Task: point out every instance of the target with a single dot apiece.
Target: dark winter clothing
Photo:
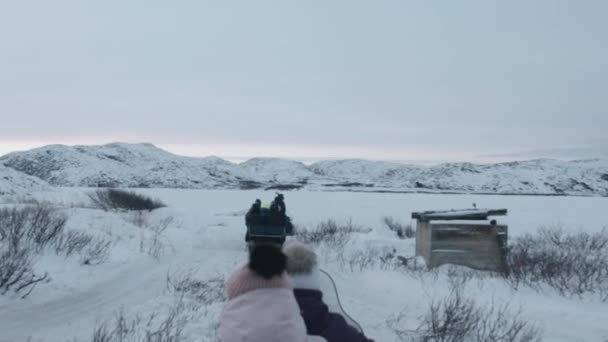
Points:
(270, 225)
(303, 268)
(319, 321)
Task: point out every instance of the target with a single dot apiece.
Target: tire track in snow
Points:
(78, 313)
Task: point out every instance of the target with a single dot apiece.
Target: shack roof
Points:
(462, 214)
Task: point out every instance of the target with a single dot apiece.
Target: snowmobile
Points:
(268, 224)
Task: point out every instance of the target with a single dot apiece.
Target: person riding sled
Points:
(261, 306)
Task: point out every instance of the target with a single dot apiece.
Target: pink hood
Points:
(264, 315)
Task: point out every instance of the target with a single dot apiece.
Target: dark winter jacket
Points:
(319, 321)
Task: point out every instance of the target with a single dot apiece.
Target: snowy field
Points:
(200, 233)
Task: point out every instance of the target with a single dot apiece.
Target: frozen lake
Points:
(307, 208)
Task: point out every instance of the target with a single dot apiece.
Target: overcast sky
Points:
(398, 80)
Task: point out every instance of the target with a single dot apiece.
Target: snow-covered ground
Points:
(204, 236)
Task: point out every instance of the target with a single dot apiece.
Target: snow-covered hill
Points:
(13, 182)
(542, 176)
(146, 166)
(274, 170)
(122, 165)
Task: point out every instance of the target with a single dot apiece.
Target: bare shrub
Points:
(329, 233)
(155, 246)
(363, 259)
(404, 231)
(459, 277)
(163, 224)
(31, 227)
(456, 318)
(24, 232)
(92, 251)
(114, 199)
(451, 319)
(381, 258)
(102, 334)
(96, 252)
(139, 219)
(573, 263)
(396, 323)
(499, 323)
(16, 273)
(46, 224)
(369, 258)
(206, 291)
(576, 241)
(13, 228)
(170, 329)
(137, 329)
(72, 242)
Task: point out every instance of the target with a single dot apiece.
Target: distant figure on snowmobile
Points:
(268, 224)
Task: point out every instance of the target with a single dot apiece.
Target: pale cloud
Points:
(380, 80)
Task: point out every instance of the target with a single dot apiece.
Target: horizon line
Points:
(496, 158)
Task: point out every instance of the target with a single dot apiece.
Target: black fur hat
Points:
(267, 260)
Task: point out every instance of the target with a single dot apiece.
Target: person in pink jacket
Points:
(261, 306)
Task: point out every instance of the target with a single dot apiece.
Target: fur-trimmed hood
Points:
(302, 266)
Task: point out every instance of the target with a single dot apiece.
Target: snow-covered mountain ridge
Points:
(13, 182)
(144, 165)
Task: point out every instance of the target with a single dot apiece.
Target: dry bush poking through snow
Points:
(372, 257)
(72, 242)
(499, 323)
(123, 329)
(573, 263)
(207, 291)
(456, 318)
(154, 246)
(96, 252)
(329, 233)
(31, 227)
(114, 199)
(404, 231)
(25, 232)
(92, 251)
(16, 273)
(451, 319)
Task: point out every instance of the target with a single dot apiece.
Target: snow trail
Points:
(79, 312)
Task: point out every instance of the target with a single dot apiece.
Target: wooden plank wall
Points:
(479, 246)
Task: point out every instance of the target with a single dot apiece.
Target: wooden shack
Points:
(462, 237)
